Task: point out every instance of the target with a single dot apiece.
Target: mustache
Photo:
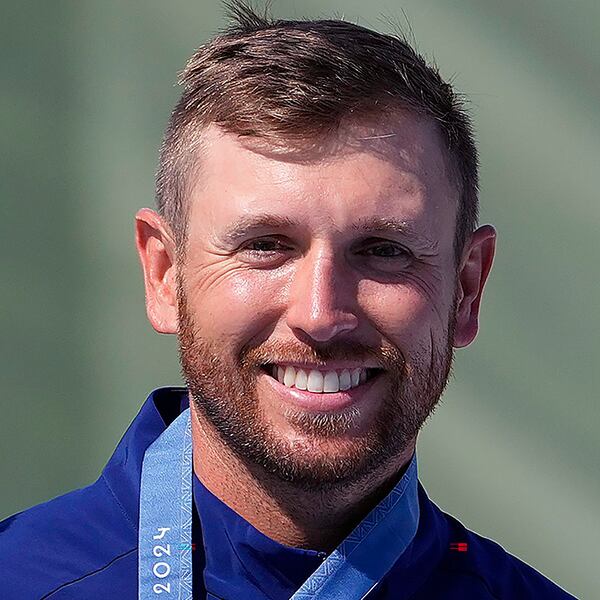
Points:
(388, 357)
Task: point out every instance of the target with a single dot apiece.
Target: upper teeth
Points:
(319, 381)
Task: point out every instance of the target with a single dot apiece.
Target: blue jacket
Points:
(83, 545)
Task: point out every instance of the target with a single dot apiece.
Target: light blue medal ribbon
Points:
(363, 559)
(350, 572)
(165, 534)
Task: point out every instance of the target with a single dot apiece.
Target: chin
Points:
(317, 461)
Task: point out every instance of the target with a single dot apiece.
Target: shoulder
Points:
(69, 547)
(482, 564)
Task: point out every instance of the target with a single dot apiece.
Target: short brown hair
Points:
(277, 80)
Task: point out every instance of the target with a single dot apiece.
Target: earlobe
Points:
(156, 251)
(475, 268)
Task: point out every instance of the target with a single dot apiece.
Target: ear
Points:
(156, 249)
(474, 270)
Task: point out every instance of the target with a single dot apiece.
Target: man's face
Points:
(334, 271)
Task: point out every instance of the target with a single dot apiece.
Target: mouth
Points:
(321, 389)
(320, 381)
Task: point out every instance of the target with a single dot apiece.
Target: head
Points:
(317, 213)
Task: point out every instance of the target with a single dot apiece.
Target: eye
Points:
(387, 250)
(264, 249)
(264, 246)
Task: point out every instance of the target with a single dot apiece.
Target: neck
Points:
(283, 512)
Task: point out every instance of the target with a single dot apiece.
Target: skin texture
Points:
(314, 289)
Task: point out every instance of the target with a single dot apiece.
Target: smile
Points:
(320, 381)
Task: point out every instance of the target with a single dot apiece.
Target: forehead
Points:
(394, 168)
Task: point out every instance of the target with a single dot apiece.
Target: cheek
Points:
(235, 305)
(404, 314)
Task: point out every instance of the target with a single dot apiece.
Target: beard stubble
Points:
(225, 393)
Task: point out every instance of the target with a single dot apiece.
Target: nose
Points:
(321, 298)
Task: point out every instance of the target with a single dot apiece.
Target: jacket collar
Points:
(124, 469)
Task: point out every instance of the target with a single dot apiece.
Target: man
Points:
(316, 251)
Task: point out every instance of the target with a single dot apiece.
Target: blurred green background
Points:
(513, 451)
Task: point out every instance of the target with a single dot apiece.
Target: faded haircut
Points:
(291, 83)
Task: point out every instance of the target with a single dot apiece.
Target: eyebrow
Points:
(250, 224)
(391, 225)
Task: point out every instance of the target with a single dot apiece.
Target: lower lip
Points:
(322, 402)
